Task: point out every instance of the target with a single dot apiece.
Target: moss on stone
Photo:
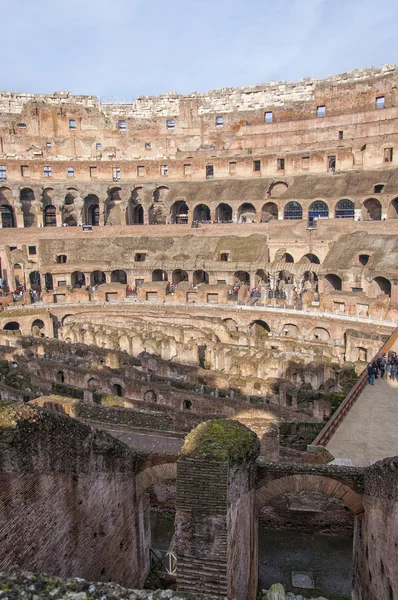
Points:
(111, 400)
(221, 440)
(18, 380)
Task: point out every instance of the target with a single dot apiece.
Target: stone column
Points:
(216, 529)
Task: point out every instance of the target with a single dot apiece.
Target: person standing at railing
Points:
(371, 374)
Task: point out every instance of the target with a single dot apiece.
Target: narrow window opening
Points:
(280, 164)
(380, 102)
(321, 111)
(72, 123)
(331, 164)
(256, 165)
(268, 117)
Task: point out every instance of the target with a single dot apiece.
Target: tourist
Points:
(393, 370)
(371, 374)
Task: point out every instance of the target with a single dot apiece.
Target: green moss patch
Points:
(222, 441)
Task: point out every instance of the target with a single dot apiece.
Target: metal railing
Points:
(163, 562)
(326, 433)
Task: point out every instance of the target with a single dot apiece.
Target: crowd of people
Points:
(383, 366)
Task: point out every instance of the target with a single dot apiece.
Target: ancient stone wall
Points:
(68, 499)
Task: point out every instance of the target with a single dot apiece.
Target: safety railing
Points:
(326, 433)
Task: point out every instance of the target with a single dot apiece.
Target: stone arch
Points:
(112, 209)
(344, 209)
(332, 283)
(64, 319)
(371, 210)
(381, 285)
(159, 275)
(179, 212)
(224, 213)
(7, 216)
(310, 258)
(201, 213)
(12, 326)
(156, 474)
(246, 212)
(309, 483)
(277, 188)
(19, 277)
(50, 216)
(150, 396)
(242, 277)
(321, 334)
(290, 330)
(117, 389)
(161, 193)
(293, 211)
(393, 209)
(91, 210)
(269, 211)
(231, 325)
(35, 280)
(317, 210)
(27, 198)
(78, 279)
(119, 276)
(60, 377)
(93, 384)
(69, 209)
(97, 277)
(37, 327)
(200, 277)
(259, 328)
(261, 277)
(178, 276)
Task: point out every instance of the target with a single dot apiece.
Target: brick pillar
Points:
(216, 528)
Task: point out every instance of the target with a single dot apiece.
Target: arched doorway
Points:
(50, 216)
(35, 281)
(269, 212)
(159, 275)
(242, 277)
(91, 210)
(179, 213)
(345, 209)
(293, 211)
(138, 215)
(287, 258)
(259, 328)
(371, 210)
(223, 213)
(12, 326)
(19, 275)
(48, 282)
(97, 278)
(201, 213)
(317, 210)
(7, 216)
(332, 283)
(381, 285)
(117, 389)
(119, 276)
(311, 258)
(78, 279)
(246, 212)
(200, 277)
(393, 209)
(178, 276)
(37, 327)
(27, 198)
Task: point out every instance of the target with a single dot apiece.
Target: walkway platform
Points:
(369, 432)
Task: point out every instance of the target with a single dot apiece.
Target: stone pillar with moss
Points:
(216, 530)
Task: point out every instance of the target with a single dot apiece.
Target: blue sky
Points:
(120, 49)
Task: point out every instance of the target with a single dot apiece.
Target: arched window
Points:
(97, 278)
(393, 209)
(224, 213)
(371, 210)
(60, 377)
(381, 285)
(117, 389)
(119, 276)
(11, 326)
(242, 276)
(200, 277)
(138, 215)
(179, 212)
(312, 258)
(317, 210)
(78, 279)
(48, 282)
(344, 210)
(332, 283)
(269, 211)
(293, 211)
(246, 212)
(35, 280)
(178, 276)
(159, 275)
(7, 216)
(201, 213)
(50, 216)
